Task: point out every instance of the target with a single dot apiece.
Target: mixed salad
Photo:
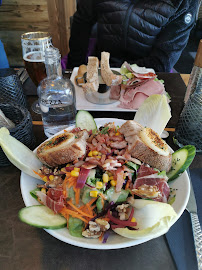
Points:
(106, 189)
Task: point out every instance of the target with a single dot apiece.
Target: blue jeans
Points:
(3, 58)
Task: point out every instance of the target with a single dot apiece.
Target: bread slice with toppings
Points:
(63, 148)
(146, 145)
(107, 75)
(143, 152)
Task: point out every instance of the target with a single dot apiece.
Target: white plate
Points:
(80, 98)
(182, 184)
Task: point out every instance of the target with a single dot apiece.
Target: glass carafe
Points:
(56, 96)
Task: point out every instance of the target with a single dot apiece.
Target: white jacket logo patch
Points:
(187, 18)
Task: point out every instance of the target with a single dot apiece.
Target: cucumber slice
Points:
(85, 120)
(181, 160)
(42, 217)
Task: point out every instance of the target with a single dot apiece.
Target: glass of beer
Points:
(34, 45)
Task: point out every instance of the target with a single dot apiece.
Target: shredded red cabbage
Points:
(106, 236)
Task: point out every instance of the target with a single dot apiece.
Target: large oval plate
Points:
(182, 184)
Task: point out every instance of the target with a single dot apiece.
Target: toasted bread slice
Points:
(130, 127)
(63, 148)
(107, 75)
(141, 151)
(146, 145)
(92, 84)
(79, 78)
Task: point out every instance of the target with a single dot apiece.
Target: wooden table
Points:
(25, 247)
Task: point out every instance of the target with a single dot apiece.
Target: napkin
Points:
(180, 236)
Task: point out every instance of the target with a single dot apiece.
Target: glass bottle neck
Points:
(53, 62)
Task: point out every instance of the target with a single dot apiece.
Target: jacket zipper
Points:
(125, 26)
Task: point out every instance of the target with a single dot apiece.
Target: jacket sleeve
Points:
(172, 40)
(83, 21)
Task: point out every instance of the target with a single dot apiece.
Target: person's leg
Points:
(3, 58)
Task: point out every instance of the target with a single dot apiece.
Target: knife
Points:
(196, 228)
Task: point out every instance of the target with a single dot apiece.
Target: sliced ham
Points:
(132, 98)
(151, 185)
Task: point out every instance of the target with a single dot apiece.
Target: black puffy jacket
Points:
(150, 33)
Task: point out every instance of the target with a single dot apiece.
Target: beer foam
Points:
(37, 56)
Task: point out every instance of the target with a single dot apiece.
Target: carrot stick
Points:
(79, 210)
(91, 201)
(127, 185)
(77, 195)
(64, 185)
(40, 175)
(105, 218)
(75, 214)
(101, 236)
(103, 197)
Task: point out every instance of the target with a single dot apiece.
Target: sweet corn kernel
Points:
(51, 177)
(111, 178)
(90, 154)
(117, 133)
(113, 183)
(45, 178)
(67, 165)
(94, 193)
(95, 153)
(76, 169)
(74, 173)
(99, 153)
(133, 219)
(99, 185)
(43, 190)
(63, 170)
(105, 178)
(99, 157)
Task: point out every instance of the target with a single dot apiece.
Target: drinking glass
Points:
(34, 45)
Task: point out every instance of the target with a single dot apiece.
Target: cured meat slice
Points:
(53, 200)
(132, 98)
(141, 72)
(115, 92)
(151, 185)
(135, 103)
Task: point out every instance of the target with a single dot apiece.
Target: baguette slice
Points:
(141, 151)
(92, 84)
(144, 147)
(63, 148)
(107, 75)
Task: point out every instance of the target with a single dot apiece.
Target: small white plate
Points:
(182, 184)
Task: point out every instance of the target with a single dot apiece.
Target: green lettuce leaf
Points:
(75, 226)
